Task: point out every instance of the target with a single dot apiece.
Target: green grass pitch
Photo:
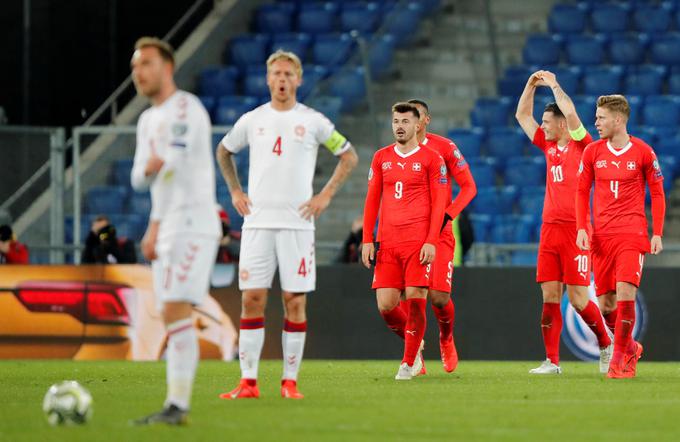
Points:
(356, 400)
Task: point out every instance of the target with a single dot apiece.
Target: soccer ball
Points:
(67, 403)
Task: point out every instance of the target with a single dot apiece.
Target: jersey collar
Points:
(405, 155)
(619, 152)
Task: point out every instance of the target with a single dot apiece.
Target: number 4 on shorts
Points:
(302, 269)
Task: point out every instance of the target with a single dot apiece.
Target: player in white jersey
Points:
(279, 211)
(174, 158)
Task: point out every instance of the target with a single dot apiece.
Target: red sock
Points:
(404, 306)
(396, 320)
(610, 320)
(625, 321)
(551, 327)
(593, 319)
(415, 329)
(445, 316)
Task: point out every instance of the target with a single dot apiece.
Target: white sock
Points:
(293, 346)
(182, 359)
(250, 343)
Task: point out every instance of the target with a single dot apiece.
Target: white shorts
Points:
(292, 250)
(181, 273)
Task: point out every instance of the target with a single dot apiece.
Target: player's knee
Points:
(386, 305)
(253, 303)
(295, 308)
(439, 299)
(176, 311)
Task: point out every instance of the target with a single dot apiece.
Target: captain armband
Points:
(578, 134)
(336, 143)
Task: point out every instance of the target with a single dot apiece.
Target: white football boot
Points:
(546, 367)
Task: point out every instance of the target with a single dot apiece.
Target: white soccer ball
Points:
(67, 403)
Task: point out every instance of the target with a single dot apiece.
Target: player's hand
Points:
(548, 78)
(149, 241)
(315, 206)
(536, 79)
(582, 240)
(657, 245)
(154, 163)
(367, 254)
(427, 253)
(241, 202)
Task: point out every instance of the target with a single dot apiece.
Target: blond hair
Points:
(164, 49)
(280, 54)
(615, 103)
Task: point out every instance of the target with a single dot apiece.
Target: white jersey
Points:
(183, 191)
(283, 151)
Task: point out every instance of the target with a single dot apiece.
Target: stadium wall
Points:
(497, 316)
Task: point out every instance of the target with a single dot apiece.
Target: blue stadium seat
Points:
(507, 197)
(317, 18)
(403, 22)
(249, 49)
(505, 142)
(332, 49)
(486, 202)
(542, 49)
(380, 54)
(531, 202)
(565, 18)
(140, 203)
(360, 16)
(664, 49)
(481, 224)
(255, 82)
(218, 81)
(105, 199)
(511, 229)
(295, 42)
(602, 80)
(430, 6)
(644, 80)
(329, 106)
(529, 171)
(230, 108)
(482, 171)
(275, 18)
(674, 82)
(131, 226)
(585, 50)
(350, 85)
(585, 108)
(652, 18)
(628, 48)
(569, 78)
(540, 102)
(645, 133)
(669, 167)
(85, 226)
(209, 103)
(120, 172)
(524, 258)
(661, 110)
(311, 76)
(610, 17)
(489, 112)
(635, 102)
(469, 141)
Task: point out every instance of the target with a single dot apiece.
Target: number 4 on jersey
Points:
(277, 146)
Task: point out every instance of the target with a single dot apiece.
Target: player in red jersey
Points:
(441, 273)
(562, 138)
(619, 164)
(408, 184)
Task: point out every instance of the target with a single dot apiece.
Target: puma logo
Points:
(616, 163)
(402, 165)
(411, 332)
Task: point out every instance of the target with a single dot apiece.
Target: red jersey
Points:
(619, 175)
(562, 163)
(410, 190)
(17, 254)
(458, 169)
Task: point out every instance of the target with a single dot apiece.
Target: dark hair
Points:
(554, 108)
(5, 233)
(403, 108)
(163, 47)
(421, 103)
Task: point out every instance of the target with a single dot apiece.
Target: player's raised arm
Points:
(574, 124)
(525, 107)
(348, 160)
(371, 208)
(585, 182)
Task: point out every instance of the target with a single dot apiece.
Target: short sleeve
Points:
(237, 138)
(324, 128)
(539, 139)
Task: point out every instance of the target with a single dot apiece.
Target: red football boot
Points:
(289, 390)
(247, 389)
(449, 355)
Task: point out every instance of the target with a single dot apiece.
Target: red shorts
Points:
(559, 258)
(618, 258)
(441, 274)
(400, 267)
